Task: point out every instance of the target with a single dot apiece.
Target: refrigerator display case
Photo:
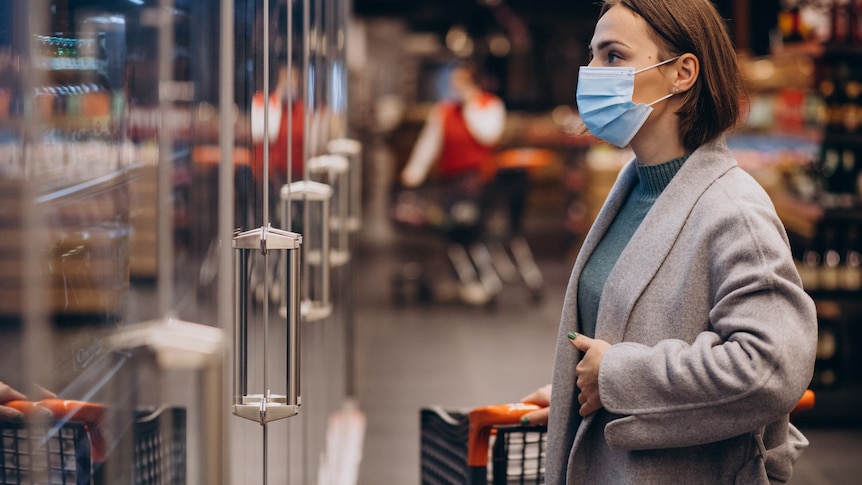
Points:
(145, 147)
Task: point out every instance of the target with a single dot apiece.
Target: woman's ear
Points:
(687, 72)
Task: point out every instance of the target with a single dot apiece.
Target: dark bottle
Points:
(856, 22)
(840, 22)
(851, 270)
(794, 33)
(832, 102)
(830, 279)
(827, 366)
(848, 175)
(857, 174)
(851, 112)
(830, 167)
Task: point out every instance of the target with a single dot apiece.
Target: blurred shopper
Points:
(286, 113)
(455, 155)
(686, 338)
(286, 130)
(460, 134)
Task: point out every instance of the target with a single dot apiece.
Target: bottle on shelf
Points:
(858, 174)
(840, 27)
(851, 270)
(827, 365)
(831, 170)
(852, 111)
(856, 22)
(829, 271)
(808, 269)
(848, 177)
(790, 21)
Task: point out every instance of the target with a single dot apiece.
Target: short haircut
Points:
(712, 105)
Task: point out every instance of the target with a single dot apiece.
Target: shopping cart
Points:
(480, 446)
(481, 222)
(64, 451)
(66, 445)
(451, 210)
(62, 457)
(160, 446)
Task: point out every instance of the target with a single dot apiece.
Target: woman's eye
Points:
(613, 57)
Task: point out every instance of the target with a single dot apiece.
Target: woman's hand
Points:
(539, 397)
(587, 371)
(7, 393)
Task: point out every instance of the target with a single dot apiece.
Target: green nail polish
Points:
(573, 335)
(525, 421)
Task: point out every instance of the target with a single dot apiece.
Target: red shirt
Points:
(461, 153)
(278, 146)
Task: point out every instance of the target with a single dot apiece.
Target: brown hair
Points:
(712, 105)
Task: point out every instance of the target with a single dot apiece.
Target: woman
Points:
(286, 112)
(704, 339)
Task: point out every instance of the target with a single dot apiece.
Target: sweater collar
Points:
(654, 178)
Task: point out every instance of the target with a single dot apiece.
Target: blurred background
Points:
(207, 248)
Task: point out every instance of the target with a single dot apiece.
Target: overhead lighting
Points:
(499, 45)
(459, 41)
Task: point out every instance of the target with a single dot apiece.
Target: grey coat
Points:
(713, 340)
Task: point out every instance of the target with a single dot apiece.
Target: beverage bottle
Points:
(827, 360)
(840, 22)
(851, 270)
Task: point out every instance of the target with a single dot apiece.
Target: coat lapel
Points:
(654, 238)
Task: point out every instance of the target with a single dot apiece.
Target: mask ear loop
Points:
(658, 64)
(661, 99)
(675, 89)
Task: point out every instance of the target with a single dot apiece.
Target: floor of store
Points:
(412, 355)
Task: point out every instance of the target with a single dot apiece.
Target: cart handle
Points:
(483, 419)
(88, 413)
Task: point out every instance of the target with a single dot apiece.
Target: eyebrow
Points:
(605, 43)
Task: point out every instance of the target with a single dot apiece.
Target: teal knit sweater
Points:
(652, 179)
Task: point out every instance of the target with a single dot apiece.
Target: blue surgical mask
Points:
(605, 102)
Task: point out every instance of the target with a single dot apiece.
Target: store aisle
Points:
(415, 355)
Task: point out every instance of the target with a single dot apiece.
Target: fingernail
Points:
(525, 421)
(573, 335)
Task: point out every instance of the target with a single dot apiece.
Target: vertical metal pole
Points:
(294, 331)
(266, 223)
(164, 214)
(288, 221)
(36, 341)
(225, 234)
(241, 328)
(310, 106)
(266, 95)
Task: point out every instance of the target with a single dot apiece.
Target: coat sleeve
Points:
(750, 364)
